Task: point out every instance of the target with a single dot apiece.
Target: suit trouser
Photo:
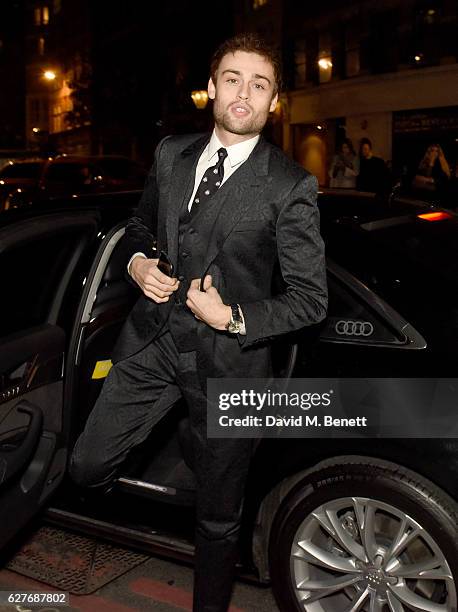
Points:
(137, 393)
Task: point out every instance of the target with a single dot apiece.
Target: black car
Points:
(334, 524)
(32, 181)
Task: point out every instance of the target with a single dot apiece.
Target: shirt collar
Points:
(236, 153)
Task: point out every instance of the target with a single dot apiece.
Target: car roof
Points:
(112, 207)
(27, 160)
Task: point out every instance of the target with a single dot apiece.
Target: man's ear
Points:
(211, 89)
(273, 103)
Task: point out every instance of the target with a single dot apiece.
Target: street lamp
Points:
(200, 98)
(49, 75)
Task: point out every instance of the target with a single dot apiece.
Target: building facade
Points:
(386, 71)
(12, 76)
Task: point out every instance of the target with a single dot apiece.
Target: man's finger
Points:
(207, 282)
(156, 298)
(195, 283)
(152, 281)
(161, 277)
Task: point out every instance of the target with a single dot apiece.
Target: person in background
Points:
(345, 166)
(433, 173)
(373, 173)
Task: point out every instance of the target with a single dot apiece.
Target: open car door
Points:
(38, 259)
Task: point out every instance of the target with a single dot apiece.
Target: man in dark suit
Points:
(227, 208)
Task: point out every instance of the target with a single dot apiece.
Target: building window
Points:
(352, 51)
(325, 58)
(300, 64)
(41, 46)
(35, 110)
(41, 15)
(258, 3)
(352, 66)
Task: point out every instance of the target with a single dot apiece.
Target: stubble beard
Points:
(253, 124)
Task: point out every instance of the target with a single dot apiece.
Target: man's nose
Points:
(244, 92)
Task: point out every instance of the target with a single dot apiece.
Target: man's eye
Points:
(232, 80)
(258, 86)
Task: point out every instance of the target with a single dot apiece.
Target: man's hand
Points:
(154, 284)
(207, 305)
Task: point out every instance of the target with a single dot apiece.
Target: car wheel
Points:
(365, 535)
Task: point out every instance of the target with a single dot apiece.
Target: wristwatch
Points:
(235, 324)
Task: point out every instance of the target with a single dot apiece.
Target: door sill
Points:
(157, 543)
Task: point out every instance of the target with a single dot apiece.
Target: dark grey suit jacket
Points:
(264, 217)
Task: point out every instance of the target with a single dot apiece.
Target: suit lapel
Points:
(236, 196)
(182, 183)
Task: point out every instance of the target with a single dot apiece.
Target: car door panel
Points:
(38, 259)
(20, 430)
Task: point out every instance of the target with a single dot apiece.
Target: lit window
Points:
(41, 46)
(258, 3)
(325, 57)
(325, 65)
(41, 15)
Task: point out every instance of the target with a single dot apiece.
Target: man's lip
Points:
(238, 105)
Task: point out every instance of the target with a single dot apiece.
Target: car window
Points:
(70, 173)
(351, 320)
(120, 168)
(30, 274)
(27, 170)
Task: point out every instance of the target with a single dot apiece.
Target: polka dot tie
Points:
(210, 183)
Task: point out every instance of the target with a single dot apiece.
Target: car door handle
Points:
(13, 461)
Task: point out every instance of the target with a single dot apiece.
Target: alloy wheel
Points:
(358, 554)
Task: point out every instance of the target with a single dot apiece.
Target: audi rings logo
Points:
(354, 328)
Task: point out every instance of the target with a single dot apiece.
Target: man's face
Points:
(366, 150)
(243, 94)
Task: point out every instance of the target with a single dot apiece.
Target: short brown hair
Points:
(250, 43)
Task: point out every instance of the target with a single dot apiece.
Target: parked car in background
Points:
(334, 524)
(19, 175)
(31, 181)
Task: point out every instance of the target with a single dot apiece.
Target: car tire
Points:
(347, 514)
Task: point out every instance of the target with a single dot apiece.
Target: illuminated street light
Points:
(49, 75)
(325, 63)
(35, 130)
(200, 98)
